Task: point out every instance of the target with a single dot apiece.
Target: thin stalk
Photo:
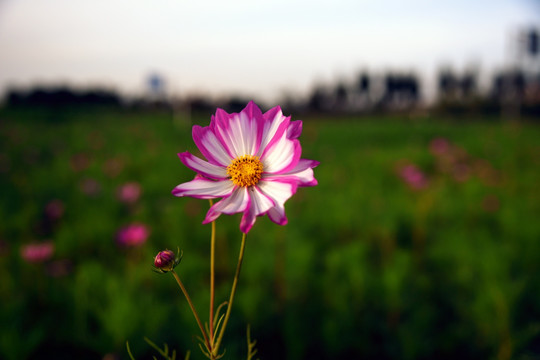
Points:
(212, 284)
(207, 342)
(231, 297)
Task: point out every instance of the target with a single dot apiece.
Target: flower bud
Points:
(165, 261)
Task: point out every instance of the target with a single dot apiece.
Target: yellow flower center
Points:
(245, 170)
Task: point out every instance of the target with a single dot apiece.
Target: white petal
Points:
(279, 155)
(277, 214)
(215, 147)
(204, 189)
(248, 135)
(277, 190)
(295, 129)
(305, 177)
(242, 134)
(270, 128)
(238, 131)
(302, 173)
(259, 204)
(237, 202)
(203, 167)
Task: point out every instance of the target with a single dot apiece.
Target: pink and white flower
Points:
(253, 164)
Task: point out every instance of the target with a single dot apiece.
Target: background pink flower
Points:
(129, 193)
(439, 146)
(413, 176)
(133, 235)
(37, 252)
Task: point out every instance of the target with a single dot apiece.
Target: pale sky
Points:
(252, 48)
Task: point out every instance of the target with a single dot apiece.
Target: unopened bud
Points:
(165, 261)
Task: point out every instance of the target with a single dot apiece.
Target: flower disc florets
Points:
(252, 162)
(245, 170)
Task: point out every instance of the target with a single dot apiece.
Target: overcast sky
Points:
(250, 47)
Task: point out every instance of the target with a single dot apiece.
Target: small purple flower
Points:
(132, 235)
(129, 192)
(37, 252)
(413, 176)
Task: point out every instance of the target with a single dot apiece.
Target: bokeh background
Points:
(421, 241)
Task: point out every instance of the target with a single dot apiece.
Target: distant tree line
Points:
(61, 97)
(367, 93)
(512, 92)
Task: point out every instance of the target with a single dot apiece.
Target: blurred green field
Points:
(404, 250)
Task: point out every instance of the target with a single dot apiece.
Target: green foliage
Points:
(368, 267)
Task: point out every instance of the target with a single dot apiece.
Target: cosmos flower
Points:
(253, 164)
(37, 252)
(129, 192)
(134, 234)
(413, 176)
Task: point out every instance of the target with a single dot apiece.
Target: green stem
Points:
(207, 342)
(231, 297)
(212, 283)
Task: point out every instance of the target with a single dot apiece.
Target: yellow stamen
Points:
(245, 170)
